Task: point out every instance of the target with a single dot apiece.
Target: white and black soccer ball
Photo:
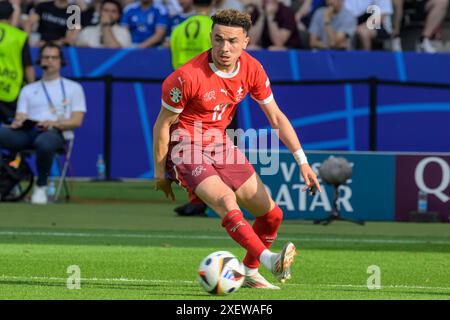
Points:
(335, 170)
(221, 273)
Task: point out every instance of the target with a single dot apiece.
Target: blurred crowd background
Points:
(417, 25)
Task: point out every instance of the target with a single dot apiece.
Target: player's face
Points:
(227, 45)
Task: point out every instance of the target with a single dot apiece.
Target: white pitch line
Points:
(365, 286)
(190, 237)
(4, 277)
(155, 281)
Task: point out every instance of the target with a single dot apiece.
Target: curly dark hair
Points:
(232, 18)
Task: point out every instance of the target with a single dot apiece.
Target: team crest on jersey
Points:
(198, 171)
(209, 96)
(175, 95)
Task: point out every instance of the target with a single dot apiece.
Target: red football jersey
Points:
(199, 92)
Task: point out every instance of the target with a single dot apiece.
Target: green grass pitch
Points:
(129, 244)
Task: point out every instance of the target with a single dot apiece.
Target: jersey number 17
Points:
(216, 115)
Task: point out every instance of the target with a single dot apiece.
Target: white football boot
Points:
(281, 263)
(257, 281)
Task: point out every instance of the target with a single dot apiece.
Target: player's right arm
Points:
(161, 139)
(176, 91)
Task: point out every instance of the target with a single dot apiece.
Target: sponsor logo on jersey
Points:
(175, 95)
(267, 83)
(224, 91)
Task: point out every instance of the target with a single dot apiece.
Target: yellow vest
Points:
(12, 41)
(189, 39)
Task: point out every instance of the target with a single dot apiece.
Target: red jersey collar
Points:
(221, 73)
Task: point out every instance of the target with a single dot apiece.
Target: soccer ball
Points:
(221, 273)
(335, 171)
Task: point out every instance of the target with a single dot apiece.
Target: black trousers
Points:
(45, 143)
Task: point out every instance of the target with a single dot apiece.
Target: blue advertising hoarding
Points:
(368, 196)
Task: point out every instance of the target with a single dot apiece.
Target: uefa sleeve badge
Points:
(175, 95)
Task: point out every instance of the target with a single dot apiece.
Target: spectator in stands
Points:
(51, 18)
(108, 33)
(192, 36)
(178, 16)
(15, 63)
(229, 4)
(25, 7)
(54, 106)
(90, 15)
(274, 26)
(15, 18)
(434, 10)
(332, 27)
(127, 2)
(302, 9)
(187, 10)
(366, 34)
(147, 22)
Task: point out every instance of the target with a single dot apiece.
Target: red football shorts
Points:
(225, 161)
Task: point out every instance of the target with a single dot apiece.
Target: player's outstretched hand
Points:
(310, 179)
(165, 186)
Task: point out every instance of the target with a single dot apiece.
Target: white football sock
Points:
(250, 271)
(266, 258)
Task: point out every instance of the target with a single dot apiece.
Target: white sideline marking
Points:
(5, 277)
(179, 236)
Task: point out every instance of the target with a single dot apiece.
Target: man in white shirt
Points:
(108, 33)
(47, 112)
(366, 31)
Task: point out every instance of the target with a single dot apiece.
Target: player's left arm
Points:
(288, 136)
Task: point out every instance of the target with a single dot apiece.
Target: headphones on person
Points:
(50, 45)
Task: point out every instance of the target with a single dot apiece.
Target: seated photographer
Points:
(46, 113)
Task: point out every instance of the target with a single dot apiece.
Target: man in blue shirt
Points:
(148, 23)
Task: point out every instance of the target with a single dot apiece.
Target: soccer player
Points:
(205, 91)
